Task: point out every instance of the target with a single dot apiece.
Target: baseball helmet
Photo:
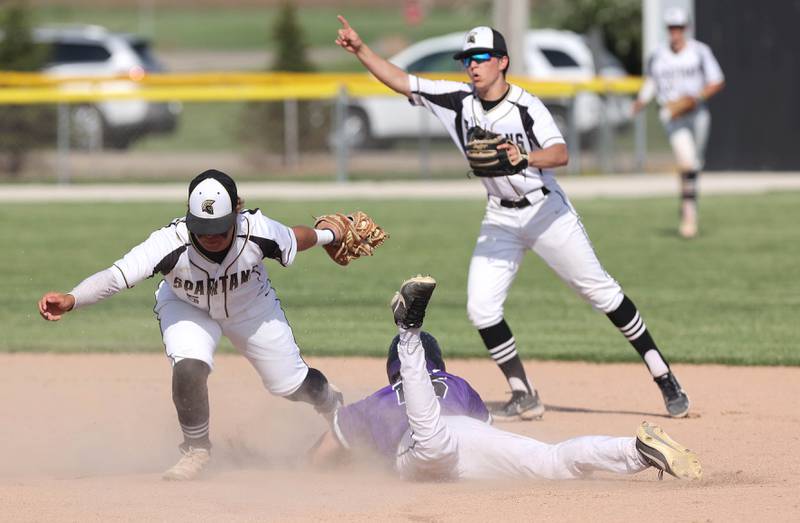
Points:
(433, 356)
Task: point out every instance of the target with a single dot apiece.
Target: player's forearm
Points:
(550, 157)
(308, 237)
(385, 71)
(711, 90)
(96, 287)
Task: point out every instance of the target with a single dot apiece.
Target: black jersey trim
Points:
(169, 261)
(127, 286)
(269, 248)
(527, 125)
(450, 100)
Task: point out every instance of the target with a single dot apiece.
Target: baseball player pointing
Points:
(215, 284)
(683, 75)
(512, 144)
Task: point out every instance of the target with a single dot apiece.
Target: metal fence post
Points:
(604, 143)
(574, 138)
(62, 132)
(424, 146)
(640, 140)
(290, 133)
(342, 142)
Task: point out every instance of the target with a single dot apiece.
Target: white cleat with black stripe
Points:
(665, 454)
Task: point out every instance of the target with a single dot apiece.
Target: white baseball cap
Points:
(676, 17)
(212, 203)
(482, 39)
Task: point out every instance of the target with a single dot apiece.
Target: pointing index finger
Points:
(343, 21)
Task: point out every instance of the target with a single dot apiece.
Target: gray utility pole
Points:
(510, 17)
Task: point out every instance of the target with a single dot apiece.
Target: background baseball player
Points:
(683, 74)
(526, 209)
(215, 283)
(430, 424)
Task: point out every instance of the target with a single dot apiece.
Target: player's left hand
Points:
(53, 305)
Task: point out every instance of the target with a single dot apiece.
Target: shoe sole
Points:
(681, 414)
(674, 458)
(420, 280)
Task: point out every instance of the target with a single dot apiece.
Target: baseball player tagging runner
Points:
(215, 284)
(512, 144)
(683, 75)
(430, 424)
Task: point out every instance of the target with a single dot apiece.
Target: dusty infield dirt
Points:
(85, 438)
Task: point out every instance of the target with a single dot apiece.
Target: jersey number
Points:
(439, 388)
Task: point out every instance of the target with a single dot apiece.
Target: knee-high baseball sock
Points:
(503, 349)
(627, 319)
(689, 194)
(190, 395)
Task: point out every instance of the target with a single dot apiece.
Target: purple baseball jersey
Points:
(379, 421)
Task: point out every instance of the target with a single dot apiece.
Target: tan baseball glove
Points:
(680, 106)
(354, 235)
(486, 160)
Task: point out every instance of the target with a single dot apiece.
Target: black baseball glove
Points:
(485, 159)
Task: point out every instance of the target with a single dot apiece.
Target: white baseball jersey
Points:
(520, 116)
(685, 73)
(224, 289)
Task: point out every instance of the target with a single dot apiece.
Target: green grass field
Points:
(731, 296)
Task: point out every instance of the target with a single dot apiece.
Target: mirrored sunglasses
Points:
(479, 58)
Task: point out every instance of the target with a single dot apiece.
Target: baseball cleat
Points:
(665, 454)
(409, 303)
(190, 465)
(523, 404)
(675, 398)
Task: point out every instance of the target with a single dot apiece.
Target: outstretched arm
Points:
(385, 71)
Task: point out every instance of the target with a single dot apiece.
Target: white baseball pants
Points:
(263, 336)
(452, 447)
(688, 136)
(551, 228)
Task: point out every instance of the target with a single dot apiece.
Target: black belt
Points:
(519, 204)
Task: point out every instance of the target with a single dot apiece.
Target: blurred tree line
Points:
(618, 22)
(263, 122)
(22, 127)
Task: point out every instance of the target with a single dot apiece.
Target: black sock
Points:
(316, 390)
(503, 349)
(630, 323)
(190, 395)
(689, 186)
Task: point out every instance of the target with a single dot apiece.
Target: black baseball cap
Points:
(482, 39)
(212, 203)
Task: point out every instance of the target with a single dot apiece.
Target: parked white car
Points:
(89, 51)
(551, 55)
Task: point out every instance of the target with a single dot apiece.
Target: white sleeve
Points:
(437, 94)
(98, 286)
(147, 258)
(711, 69)
(545, 130)
(277, 241)
(648, 90)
